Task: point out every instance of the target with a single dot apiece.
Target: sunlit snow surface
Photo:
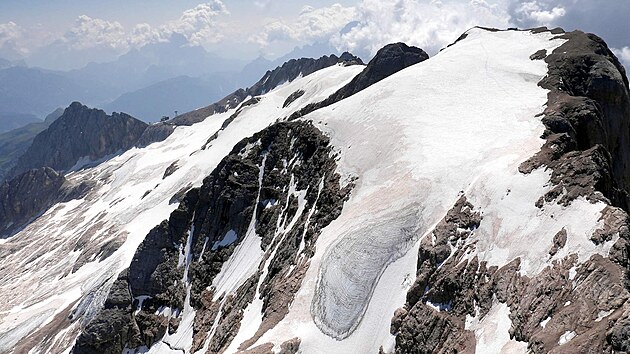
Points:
(36, 279)
(461, 121)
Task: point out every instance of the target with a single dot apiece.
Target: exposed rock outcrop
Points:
(418, 327)
(559, 241)
(278, 187)
(292, 97)
(154, 133)
(587, 121)
(387, 61)
(290, 70)
(26, 196)
(81, 135)
(112, 329)
(451, 288)
(588, 149)
(170, 169)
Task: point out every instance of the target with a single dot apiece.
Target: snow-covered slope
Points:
(462, 121)
(65, 261)
(436, 210)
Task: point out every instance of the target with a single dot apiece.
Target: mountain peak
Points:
(81, 135)
(387, 61)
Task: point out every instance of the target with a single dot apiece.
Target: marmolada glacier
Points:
(472, 202)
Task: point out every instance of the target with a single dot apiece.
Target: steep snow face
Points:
(461, 121)
(64, 262)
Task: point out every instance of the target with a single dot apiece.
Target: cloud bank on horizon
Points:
(266, 26)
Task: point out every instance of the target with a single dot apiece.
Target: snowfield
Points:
(460, 122)
(37, 276)
(463, 120)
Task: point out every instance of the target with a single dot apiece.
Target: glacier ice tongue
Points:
(352, 267)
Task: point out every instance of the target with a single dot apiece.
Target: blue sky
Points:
(89, 30)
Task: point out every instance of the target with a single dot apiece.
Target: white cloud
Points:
(97, 39)
(262, 4)
(199, 24)
(9, 31)
(311, 25)
(143, 34)
(367, 27)
(273, 31)
(89, 32)
(11, 41)
(623, 54)
(607, 19)
(316, 24)
(537, 13)
(362, 28)
(549, 16)
(624, 57)
(430, 25)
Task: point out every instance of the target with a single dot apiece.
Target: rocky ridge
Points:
(287, 72)
(28, 195)
(80, 136)
(387, 61)
(278, 185)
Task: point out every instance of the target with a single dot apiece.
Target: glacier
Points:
(458, 124)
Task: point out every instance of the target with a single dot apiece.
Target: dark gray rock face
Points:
(250, 102)
(80, 132)
(292, 346)
(289, 71)
(258, 179)
(28, 195)
(153, 133)
(230, 101)
(587, 135)
(292, 97)
(559, 241)
(388, 60)
(25, 196)
(170, 169)
(112, 328)
(587, 117)
(419, 328)
(588, 142)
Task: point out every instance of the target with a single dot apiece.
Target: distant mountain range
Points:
(15, 142)
(182, 94)
(10, 121)
(148, 82)
(4, 63)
